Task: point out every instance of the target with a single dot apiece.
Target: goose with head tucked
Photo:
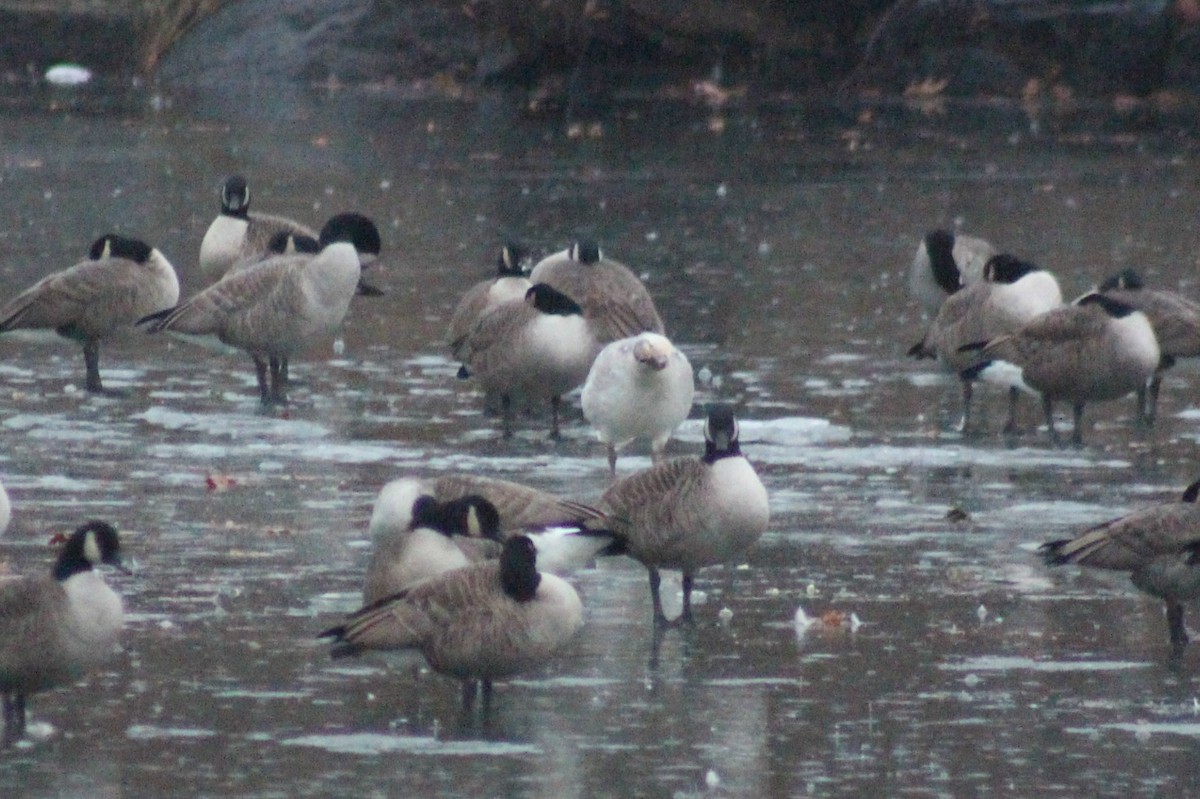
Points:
(1158, 546)
(638, 387)
(121, 281)
(530, 351)
(945, 262)
(520, 507)
(1094, 350)
(421, 528)
(688, 513)
(54, 628)
(439, 537)
(274, 309)
(615, 302)
(1011, 293)
(479, 623)
(1176, 322)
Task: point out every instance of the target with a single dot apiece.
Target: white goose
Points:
(639, 387)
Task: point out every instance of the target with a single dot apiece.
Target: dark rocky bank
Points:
(888, 47)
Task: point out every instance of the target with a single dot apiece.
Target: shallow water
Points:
(775, 250)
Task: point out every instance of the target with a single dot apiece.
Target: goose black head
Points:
(1005, 268)
(511, 262)
(518, 568)
(426, 512)
(1114, 308)
(111, 245)
(284, 243)
(91, 545)
(939, 244)
(720, 433)
(235, 197)
(1125, 279)
(473, 516)
(550, 300)
(1192, 491)
(356, 229)
(585, 251)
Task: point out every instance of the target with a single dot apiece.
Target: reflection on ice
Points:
(365, 743)
(1017, 663)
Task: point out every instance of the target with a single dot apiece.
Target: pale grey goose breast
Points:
(121, 281)
(614, 300)
(479, 623)
(945, 261)
(1176, 322)
(688, 513)
(1159, 546)
(56, 627)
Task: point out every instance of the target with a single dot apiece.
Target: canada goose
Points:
(121, 281)
(1097, 349)
(536, 348)
(459, 523)
(272, 310)
(440, 537)
(614, 301)
(510, 283)
(639, 387)
(482, 622)
(1176, 323)
(1159, 546)
(1011, 293)
(944, 263)
(519, 506)
(688, 513)
(237, 236)
(53, 628)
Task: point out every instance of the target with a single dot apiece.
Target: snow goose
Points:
(638, 387)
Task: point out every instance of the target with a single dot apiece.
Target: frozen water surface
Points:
(974, 670)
